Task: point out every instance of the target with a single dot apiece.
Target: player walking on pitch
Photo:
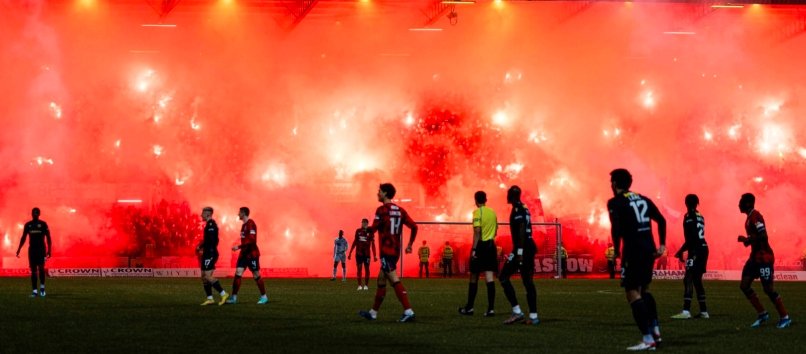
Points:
(697, 260)
(760, 265)
(249, 257)
(630, 218)
(388, 222)
(37, 252)
(208, 256)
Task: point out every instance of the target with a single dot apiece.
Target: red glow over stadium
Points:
(121, 123)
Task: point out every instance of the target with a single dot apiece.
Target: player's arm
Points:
(408, 221)
(615, 229)
(761, 232)
(376, 222)
(372, 243)
(690, 232)
(476, 231)
(355, 241)
(655, 214)
(22, 240)
(47, 237)
(476, 238)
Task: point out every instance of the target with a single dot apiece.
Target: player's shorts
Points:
(340, 257)
(36, 259)
(249, 262)
(763, 270)
(359, 260)
(526, 267)
(208, 261)
(636, 272)
(486, 259)
(389, 263)
(698, 264)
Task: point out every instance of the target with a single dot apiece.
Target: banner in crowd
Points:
(574, 264)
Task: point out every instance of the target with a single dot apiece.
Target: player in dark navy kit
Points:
(522, 259)
(697, 260)
(389, 221)
(760, 264)
(364, 240)
(248, 258)
(630, 218)
(37, 250)
(208, 256)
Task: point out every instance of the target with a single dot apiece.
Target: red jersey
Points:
(363, 240)
(388, 220)
(760, 250)
(249, 239)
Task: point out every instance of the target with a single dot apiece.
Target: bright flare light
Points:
(57, 111)
(194, 125)
(117, 144)
(707, 135)
(274, 174)
(500, 118)
(441, 217)
(39, 160)
(157, 150)
(648, 100)
(6, 240)
(758, 179)
(409, 119)
(733, 131)
(802, 152)
(773, 138)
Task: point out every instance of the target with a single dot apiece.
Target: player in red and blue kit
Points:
(362, 243)
(760, 264)
(389, 218)
(248, 258)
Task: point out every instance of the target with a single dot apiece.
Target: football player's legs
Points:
(527, 275)
(767, 271)
(749, 273)
(507, 271)
(33, 264)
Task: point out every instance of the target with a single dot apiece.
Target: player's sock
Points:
(334, 273)
(208, 289)
(641, 317)
(402, 295)
(516, 309)
(509, 292)
(42, 275)
(472, 289)
(491, 296)
(236, 285)
(648, 338)
(261, 285)
(380, 293)
(701, 301)
(33, 279)
(408, 312)
(779, 305)
(218, 288)
(533, 316)
(687, 304)
(373, 313)
(651, 306)
(753, 298)
(343, 273)
(531, 293)
(366, 279)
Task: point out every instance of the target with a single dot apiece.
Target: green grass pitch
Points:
(317, 315)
